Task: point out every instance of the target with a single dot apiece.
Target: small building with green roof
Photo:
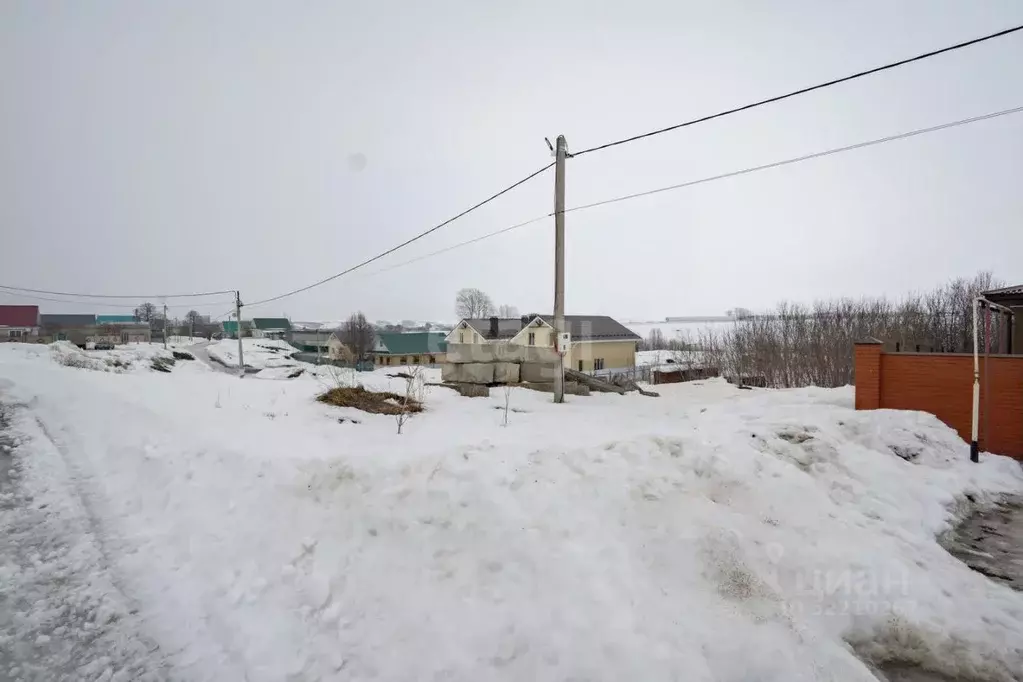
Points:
(271, 328)
(409, 348)
(230, 328)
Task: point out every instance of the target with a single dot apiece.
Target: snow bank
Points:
(132, 357)
(710, 534)
(259, 353)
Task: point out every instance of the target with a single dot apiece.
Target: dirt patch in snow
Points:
(375, 402)
(990, 541)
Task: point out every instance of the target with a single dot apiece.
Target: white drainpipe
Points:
(974, 451)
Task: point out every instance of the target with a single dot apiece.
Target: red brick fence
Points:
(942, 384)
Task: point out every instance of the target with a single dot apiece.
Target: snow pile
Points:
(710, 534)
(259, 353)
(132, 357)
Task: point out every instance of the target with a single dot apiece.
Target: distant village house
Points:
(599, 344)
(409, 348)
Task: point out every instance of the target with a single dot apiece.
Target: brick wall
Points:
(942, 384)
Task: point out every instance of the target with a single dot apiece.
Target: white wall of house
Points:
(463, 333)
(17, 333)
(537, 333)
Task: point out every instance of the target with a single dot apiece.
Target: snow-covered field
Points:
(709, 534)
(258, 353)
(680, 330)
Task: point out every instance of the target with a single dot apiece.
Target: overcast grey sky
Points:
(179, 146)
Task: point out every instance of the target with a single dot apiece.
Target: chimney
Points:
(493, 327)
(525, 321)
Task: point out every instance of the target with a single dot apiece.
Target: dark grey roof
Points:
(581, 327)
(507, 327)
(70, 320)
(1012, 296)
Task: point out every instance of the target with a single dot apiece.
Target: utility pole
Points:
(559, 263)
(238, 315)
(165, 326)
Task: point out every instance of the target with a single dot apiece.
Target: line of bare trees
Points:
(473, 303)
(804, 345)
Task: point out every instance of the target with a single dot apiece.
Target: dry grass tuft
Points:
(382, 402)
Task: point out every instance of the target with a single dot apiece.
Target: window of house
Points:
(431, 360)
(461, 337)
(415, 359)
(580, 365)
(598, 363)
(15, 333)
(403, 360)
(532, 338)
(61, 336)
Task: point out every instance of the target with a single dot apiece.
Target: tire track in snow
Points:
(62, 615)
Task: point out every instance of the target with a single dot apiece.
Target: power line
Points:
(406, 242)
(103, 296)
(722, 176)
(802, 91)
(461, 244)
(807, 157)
(80, 303)
(104, 305)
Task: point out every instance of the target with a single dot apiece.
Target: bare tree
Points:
(473, 304)
(188, 326)
(506, 310)
(358, 334)
(415, 388)
(146, 312)
(507, 402)
(802, 345)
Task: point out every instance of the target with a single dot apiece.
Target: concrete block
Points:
(449, 372)
(506, 372)
(461, 353)
(473, 390)
(469, 373)
(537, 372)
(542, 354)
(571, 387)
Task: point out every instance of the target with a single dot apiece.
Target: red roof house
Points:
(17, 321)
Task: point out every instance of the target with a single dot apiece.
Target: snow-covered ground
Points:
(690, 331)
(259, 353)
(666, 359)
(709, 534)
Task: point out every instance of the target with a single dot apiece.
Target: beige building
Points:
(599, 343)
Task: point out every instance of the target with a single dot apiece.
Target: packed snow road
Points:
(62, 616)
(710, 534)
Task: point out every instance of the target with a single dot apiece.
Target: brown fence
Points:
(942, 384)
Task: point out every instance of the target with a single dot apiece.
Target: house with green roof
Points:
(409, 348)
(230, 328)
(116, 319)
(271, 328)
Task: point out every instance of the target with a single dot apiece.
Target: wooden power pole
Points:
(238, 315)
